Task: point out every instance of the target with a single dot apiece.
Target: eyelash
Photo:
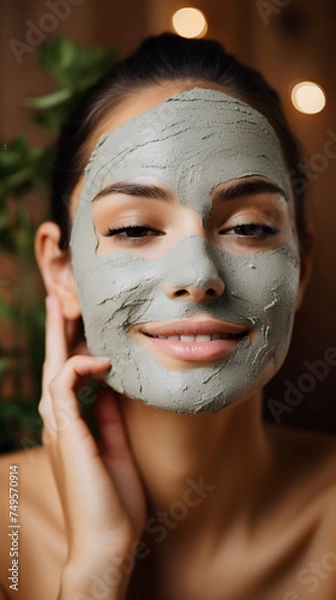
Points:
(113, 232)
(259, 232)
(263, 231)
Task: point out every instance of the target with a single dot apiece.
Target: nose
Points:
(211, 289)
(194, 275)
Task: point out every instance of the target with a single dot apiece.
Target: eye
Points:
(131, 232)
(255, 231)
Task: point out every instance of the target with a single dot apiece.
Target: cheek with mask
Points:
(190, 143)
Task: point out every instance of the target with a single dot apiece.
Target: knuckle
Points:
(43, 408)
(73, 359)
(40, 410)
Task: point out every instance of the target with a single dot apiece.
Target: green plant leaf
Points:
(57, 56)
(75, 68)
(52, 119)
(49, 100)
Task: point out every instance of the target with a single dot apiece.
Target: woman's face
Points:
(184, 250)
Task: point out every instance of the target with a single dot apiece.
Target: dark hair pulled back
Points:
(167, 57)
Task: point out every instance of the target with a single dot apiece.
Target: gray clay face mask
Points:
(190, 143)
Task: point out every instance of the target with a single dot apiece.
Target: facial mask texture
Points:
(190, 143)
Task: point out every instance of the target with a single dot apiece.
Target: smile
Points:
(199, 338)
(193, 341)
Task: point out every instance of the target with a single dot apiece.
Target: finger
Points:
(64, 401)
(56, 352)
(56, 355)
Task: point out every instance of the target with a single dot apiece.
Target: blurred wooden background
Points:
(287, 40)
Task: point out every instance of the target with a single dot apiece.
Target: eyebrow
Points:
(248, 188)
(154, 192)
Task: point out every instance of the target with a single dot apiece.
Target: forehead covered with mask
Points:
(187, 146)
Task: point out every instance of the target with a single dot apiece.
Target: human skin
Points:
(188, 147)
(247, 538)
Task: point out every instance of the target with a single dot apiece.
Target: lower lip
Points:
(196, 351)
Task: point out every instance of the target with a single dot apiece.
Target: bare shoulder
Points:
(31, 524)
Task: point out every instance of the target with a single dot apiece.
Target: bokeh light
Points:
(308, 97)
(190, 22)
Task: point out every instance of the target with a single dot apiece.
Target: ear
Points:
(306, 265)
(56, 269)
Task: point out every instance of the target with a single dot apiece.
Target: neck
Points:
(198, 468)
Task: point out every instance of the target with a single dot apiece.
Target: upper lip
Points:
(190, 327)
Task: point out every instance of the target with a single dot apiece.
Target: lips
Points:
(193, 340)
(191, 328)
